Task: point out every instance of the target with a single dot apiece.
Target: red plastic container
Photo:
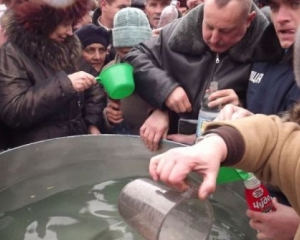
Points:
(257, 196)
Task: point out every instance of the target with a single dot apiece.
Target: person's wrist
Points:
(199, 139)
(217, 141)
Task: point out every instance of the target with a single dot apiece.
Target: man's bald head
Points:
(245, 6)
(225, 23)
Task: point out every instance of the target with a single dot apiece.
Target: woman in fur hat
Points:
(43, 93)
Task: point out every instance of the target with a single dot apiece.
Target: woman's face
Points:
(61, 32)
(95, 54)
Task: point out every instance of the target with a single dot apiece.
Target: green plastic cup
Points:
(117, 80)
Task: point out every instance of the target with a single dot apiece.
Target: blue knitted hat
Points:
(131, 27)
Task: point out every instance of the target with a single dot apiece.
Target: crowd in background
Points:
(51, 54)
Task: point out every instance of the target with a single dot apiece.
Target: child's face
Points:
(122, 51)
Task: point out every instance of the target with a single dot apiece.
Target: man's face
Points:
(95, 54)
(222, 28)
(285, 16)
(153, 9)
(109, 10)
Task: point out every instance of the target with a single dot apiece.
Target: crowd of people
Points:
(51, 54)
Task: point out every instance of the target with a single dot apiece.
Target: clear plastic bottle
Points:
(168, 14)
(207, 114)
(257, 196)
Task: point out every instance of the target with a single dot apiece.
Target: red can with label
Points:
(257, 196)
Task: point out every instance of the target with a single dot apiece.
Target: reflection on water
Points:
(89, 213)
(31, 231)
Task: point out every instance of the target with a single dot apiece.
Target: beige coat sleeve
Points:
(272, 152)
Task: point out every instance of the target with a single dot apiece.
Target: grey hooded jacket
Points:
(180, 57)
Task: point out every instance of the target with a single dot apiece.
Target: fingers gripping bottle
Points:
(257, 196)
(207, 114)
(168, 14)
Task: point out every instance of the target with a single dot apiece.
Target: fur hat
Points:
(90, 34)
(131, 27)
(39, 17)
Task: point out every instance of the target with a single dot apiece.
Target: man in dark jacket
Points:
(43, 93)
(214, 42)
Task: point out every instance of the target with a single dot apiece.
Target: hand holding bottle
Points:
(279, 225)
(223, 97)
(206, 113)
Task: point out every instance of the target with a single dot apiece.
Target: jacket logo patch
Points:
(256, 77)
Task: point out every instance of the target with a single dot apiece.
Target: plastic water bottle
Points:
(207, 114)
(168, 14)
(257, 196)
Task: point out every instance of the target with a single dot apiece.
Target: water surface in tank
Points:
(67, 189)
(88, 213)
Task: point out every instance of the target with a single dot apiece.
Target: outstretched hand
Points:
(173, 166)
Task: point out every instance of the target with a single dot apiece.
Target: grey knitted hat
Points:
(131, 27)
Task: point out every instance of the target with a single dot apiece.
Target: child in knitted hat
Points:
(94, 41)
(131, 27)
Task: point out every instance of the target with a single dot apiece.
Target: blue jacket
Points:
(272, 88)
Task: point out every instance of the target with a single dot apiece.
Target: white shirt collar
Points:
(108, 29)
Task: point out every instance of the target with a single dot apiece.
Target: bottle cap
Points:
(174, 3)
(252, 182)
(213, 87)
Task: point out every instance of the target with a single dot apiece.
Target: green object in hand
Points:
(117, 80)
(227, 174)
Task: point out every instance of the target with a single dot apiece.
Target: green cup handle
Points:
(98, 79)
